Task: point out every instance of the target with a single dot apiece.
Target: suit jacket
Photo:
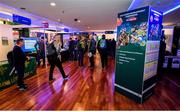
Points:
(19, 56)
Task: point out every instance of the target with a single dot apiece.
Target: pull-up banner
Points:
(138, 33)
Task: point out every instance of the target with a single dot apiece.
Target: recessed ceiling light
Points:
(79, 21)
(53, 4)
(59, 20)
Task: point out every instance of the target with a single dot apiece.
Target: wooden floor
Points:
(86, 89)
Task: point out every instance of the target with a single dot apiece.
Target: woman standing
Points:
(54, 57)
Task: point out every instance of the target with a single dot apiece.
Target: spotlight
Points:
(53, 4)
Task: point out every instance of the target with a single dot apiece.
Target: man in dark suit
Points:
(19, 63)
(40, 48)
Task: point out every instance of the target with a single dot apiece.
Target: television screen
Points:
(29, 44)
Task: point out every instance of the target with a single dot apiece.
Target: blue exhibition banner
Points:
(21, 20)
(66, 30)
(155, 25)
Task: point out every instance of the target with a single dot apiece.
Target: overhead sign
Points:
(66, 30)
(45, 25)
(21, 20)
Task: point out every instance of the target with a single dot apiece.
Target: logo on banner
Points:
(132, 19)
(151, 18)
(119, 21)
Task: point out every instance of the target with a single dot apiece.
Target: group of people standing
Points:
(81, 45)
(77, 50)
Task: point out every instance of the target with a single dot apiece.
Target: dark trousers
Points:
(114, 53)
(57, 63)
(71, 54)
(80, 58)
(20, 73)
(41, 55)
(75, 55)
(104, 58)
(91, 59)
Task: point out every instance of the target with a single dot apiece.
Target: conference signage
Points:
(21, 20)
(66, 30)
(137, 52)
(45, 25)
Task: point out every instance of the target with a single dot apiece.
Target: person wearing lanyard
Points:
(55, 59)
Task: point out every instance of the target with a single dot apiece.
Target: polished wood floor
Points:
(86, 89)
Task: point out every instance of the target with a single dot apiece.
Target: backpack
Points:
(103, 44)
(81, 45)
(51, 50)
(10, 58)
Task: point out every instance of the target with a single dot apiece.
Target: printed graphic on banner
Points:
(131, 46)
(138, 35)
(155, 26)
(153, 44)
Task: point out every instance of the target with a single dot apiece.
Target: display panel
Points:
(131, 47)
(29, 44)
(138, 36)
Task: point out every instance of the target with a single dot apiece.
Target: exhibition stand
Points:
(7, 79)
(8, 76)
(137, 52)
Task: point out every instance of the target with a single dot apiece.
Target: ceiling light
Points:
(59, 20)
(8, 19)
(131, 5)
(10, 14)
(53, 4)
(88, 27)
(169, 11)
(79, 21)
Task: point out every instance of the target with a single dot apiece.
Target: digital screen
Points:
(29, 44)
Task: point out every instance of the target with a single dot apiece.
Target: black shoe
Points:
(24, 85)
(66, 77)
(52, 79)
(22, 88)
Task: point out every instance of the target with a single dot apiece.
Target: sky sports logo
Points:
(131, 19)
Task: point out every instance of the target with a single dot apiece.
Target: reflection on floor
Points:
(86, 89)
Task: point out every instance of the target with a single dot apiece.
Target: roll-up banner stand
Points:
(138, 40)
